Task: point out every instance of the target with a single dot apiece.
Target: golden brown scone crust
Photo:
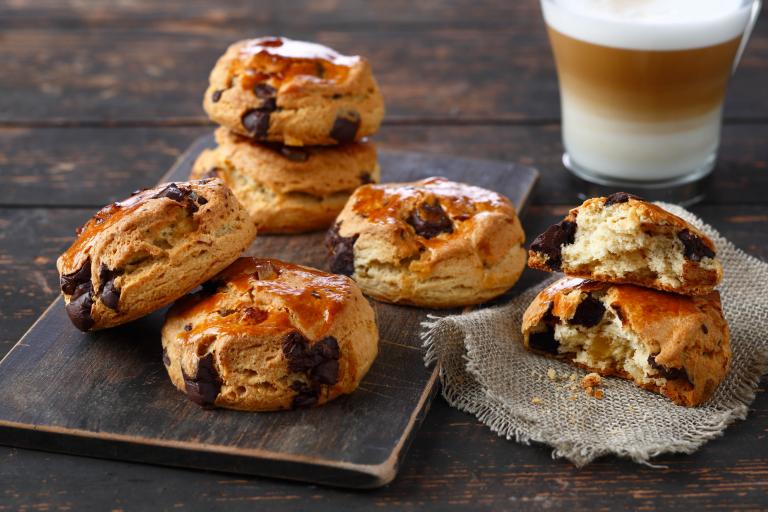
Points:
(137, 255)
(297, 93)
(661, 251)
(431, 243)
(686, 337)
(286, 189)
(266, 335)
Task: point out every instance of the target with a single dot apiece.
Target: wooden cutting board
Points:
(106, 394)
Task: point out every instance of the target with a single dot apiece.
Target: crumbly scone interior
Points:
(609, 346)
(611, 242)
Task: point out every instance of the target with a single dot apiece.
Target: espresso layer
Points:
(643, 85)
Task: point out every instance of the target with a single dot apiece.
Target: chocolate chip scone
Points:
(674, 345)
(137, 255)
(432, 243)
(623, 239)
(266, 335)
(293, 92)
(288, 189)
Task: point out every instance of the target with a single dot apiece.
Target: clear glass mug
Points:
(642, 84)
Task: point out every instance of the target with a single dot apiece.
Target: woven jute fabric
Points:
(485, 371)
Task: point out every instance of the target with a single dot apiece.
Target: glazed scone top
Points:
(255, 296)
(268, 63)
(182, 195)
(446, 218)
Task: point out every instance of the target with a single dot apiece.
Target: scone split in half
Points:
(266, 335)
(623, 239)
(431, 243)
(671, 344)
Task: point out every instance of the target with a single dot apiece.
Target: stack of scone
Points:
(294, 117)
(638, 299)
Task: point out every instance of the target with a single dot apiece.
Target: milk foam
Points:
(649, 24)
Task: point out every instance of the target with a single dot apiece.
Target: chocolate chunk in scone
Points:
(623, 239)
(650, 337)
(431, 243)
(135, 256)
(273, 336)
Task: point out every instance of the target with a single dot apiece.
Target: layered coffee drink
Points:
(642, 83)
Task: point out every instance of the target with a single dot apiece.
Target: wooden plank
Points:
(63, 390)
(489, 73)
(245, 13)
(93, 166)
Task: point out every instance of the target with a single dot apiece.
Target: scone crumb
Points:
(551, 374)
(591, 380)
(574, 397)
(590, 383)
(572, 377)
(537, 401)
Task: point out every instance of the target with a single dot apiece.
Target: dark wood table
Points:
(97, 100)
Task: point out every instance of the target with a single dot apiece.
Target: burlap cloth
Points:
(485, 371)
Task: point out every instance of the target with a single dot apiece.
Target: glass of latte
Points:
(642, 84)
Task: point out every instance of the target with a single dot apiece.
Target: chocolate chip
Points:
(213, 172)
(341, 251)
(201, 200)
(544, 341)
(314, 294)
(430, 220)
(264, 91)
(328, 348)
(667, 373)
(216, 96)
(205, 386)
(694, 247)
(79, 307)
(589, 312)
(345, 128)
(181, 195)
(326, 372)
(256, 122)
(171, 191)
(306, 394)
(188, 327)
(319, 69)
(69, 282)
(365, 178)
(704, 329)
(166, 359)
(619, 197)
(319, 362)
(109, 293)
(294, 154)
(551, 241)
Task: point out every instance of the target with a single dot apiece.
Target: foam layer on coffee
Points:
(648, 24)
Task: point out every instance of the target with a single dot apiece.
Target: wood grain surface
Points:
(72, 140)
(106, 394)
